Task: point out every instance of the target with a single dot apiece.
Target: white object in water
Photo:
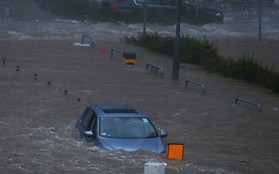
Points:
(82, 45)
(154, 168)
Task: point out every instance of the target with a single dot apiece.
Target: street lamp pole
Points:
(260, 19)
(176, 51)
(144, 16)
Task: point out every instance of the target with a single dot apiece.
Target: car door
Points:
(86, 122)
(89, 123)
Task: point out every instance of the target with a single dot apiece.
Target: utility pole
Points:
(144, 16)
(260, 19)
(176, 50)
(197, 8)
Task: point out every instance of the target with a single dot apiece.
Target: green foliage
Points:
(245, 68)
(154, 43)
(200, 52)
(203, 53)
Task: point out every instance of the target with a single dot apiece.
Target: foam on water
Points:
(42, 147)
(236, 24)
(18, 36)
(62, 139)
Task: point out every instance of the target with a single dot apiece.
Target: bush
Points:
(154, 43)
(245, 68)
(200, 52)
(205, 54)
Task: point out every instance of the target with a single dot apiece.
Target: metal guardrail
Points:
(158, 68)
(195, 83)
(88, 37)
(115, 50)
(249, 102)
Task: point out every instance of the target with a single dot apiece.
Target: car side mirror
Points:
(163, 134)
(88, 134)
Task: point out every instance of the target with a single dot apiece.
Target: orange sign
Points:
(175, 151)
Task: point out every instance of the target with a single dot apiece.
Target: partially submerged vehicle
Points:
(120, 127)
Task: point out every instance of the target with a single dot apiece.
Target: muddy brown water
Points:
(37, 119)
(37, 132)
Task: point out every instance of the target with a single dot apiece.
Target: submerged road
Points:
(37, 132)
(37, 119)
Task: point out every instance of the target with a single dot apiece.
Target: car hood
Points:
(150, 144)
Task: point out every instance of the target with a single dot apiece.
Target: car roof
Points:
(112, 110)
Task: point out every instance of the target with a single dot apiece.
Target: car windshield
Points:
(127, 127)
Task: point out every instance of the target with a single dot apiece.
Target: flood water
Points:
(241, 20)
(37, 121)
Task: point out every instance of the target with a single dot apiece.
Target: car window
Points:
(127, 127)
(87, 119)
(93, 126)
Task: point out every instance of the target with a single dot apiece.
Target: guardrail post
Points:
(17, 68)
(195, 83)
(160, 69)
(115, 50)
(249, 102)
(82, 39)
(89, 37)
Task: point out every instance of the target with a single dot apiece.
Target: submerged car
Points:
(120, 127)
(164, 11)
